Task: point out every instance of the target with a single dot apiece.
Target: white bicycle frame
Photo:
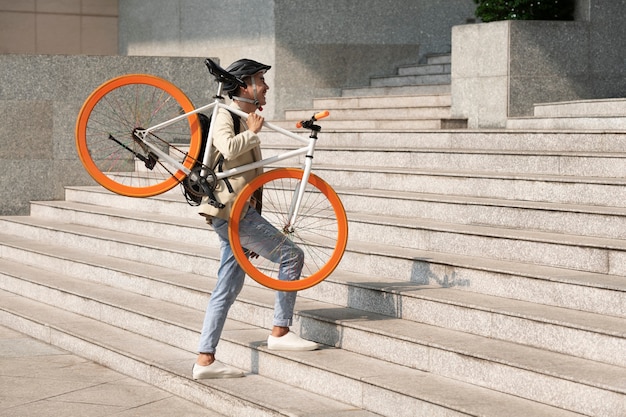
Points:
(307, 150)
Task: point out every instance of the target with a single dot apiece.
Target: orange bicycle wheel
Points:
(108, 149)
(320, 231)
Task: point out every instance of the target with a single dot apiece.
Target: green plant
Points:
(492, 10)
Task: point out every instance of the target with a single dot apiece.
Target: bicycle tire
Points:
(115, 109)
(321, 230)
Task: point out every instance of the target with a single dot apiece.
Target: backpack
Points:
(193, 190)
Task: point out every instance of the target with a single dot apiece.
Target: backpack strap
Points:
(220, 161)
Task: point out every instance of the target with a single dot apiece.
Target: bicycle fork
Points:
(298, 194)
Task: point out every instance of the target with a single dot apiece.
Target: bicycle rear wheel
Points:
(321, 229)
(114, 157)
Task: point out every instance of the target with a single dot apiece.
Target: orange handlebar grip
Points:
(315, 117)
(321, 115)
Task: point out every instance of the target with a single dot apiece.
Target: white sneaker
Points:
(214, 370)
(290, 341)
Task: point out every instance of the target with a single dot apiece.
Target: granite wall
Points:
(40, 97)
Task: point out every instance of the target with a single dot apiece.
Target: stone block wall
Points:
(502, 69)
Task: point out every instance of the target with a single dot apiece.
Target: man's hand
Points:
(255, 122)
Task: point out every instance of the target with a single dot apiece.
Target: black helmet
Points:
(243, 68)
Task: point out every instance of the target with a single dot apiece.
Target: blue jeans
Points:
(230, 276)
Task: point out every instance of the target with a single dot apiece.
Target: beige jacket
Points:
(238, 150)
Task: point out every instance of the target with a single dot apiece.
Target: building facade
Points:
(68, 27)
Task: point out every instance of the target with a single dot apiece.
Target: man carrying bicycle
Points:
(236, 143)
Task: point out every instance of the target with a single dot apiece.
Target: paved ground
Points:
(40, 380)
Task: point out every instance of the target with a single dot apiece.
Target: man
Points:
(238, 149)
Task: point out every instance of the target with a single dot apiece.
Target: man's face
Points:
(261, 88)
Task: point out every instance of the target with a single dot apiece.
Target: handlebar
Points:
(321, 115)
(314, 118)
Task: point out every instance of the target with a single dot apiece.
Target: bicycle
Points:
(139, 135)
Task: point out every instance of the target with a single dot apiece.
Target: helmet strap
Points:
(248, 100)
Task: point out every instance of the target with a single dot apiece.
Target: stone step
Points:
(582, 108)
(403, 90)
(171, 203)
(426, 69)
(375, 116)
(142, 319)
(410, 80)
(378, 102)
(578, 164)
(409, 124)
(442, 58)
(602, 123)
(449, 140)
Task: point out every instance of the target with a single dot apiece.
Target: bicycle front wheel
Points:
(320, 230)
(111, 153)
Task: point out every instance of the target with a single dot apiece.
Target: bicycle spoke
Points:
(128, 165)
(320, 229)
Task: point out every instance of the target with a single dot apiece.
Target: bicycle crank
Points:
(199, 186)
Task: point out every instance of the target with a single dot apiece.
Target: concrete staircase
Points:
(485, 275)
(417, 98)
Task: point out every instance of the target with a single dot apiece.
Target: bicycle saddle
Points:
(229, 81)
